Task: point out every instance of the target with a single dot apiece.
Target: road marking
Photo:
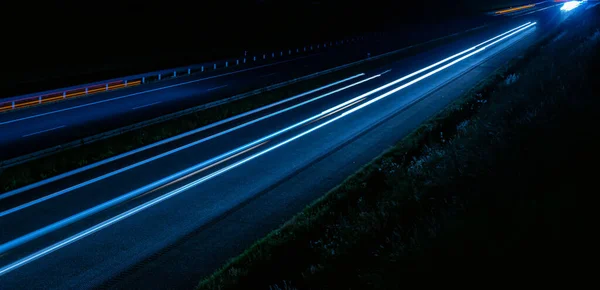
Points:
(216, 88)
(148, 105)
(149, 91)
(43, 131)
(387, 71)
(208, 166)
(45, 251)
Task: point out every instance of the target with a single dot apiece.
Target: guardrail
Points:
(66, 94)
(509, 10)
(36, 99)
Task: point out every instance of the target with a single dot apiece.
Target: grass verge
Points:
(492, 183)
(39, 169)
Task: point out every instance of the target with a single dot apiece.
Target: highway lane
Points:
(36, 128)
(163, 224)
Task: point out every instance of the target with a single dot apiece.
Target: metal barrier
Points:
(67, 94)
(510, 10)
(35, 99)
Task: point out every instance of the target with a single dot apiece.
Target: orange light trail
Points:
(515, 9)
(51, 99)
(72, 94)
(26, 104)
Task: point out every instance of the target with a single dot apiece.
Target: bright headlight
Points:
(570, 5)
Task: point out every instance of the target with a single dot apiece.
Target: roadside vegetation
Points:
(493, 184)
(35, 170)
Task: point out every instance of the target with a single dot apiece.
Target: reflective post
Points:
(189, 71)
(125, 85)
(143, 80)
(107, 87)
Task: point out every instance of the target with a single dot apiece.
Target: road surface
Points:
(166, 216)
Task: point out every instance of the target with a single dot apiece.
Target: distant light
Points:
(570, 5)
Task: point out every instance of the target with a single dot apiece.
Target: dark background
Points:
(49, 40)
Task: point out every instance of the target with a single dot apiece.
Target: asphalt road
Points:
(166, 222)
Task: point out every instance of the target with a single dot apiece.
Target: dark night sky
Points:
(106, 28)
(122, 26)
